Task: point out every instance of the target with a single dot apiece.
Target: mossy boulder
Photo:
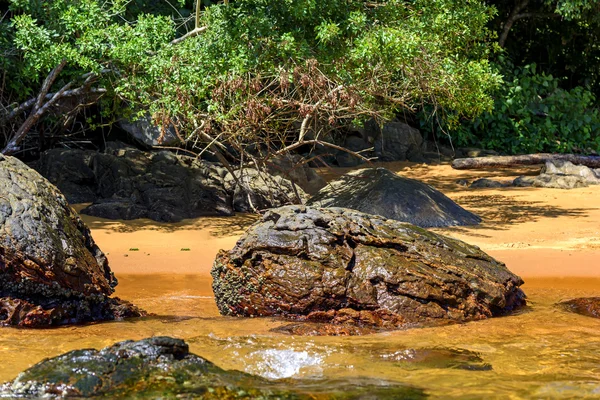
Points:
(163, 367)
(51, 270)
(346, 267)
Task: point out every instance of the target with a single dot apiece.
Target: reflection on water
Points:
(542, 353)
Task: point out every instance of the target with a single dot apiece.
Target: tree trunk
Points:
(526, 159)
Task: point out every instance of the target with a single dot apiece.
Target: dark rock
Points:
(588, 306)
(126, 183)
(71, 171)
(356, 144)
(379, 191)
(488, 183)
(163, 367)
(345, 267)
(51, 271)
(259, 191)
(144, 131)
(395, 141)
(293, 168)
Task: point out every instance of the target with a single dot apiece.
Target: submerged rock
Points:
(436, 358)
(345, 267)
(588, 306)
(379, 191)
(51, 270)
(163, 367)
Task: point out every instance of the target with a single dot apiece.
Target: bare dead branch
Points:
(296, 145)
(192, 33)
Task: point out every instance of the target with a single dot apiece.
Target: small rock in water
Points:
(588, 306)
(437, 358)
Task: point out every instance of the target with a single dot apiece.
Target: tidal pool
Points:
(541, 352)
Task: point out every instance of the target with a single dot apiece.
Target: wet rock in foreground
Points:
(588, 306)
(51, 271)
(345, 267)
(162, 367)
(379, 191)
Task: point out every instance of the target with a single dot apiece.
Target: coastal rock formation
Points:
(345, 267)
(561, 174)
(126, 183)
(588, 306)
(51, 271)
(379, 191)
(556, 174)
(163, 367)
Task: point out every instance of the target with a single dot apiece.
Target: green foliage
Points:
(387, 55)
(533, 114)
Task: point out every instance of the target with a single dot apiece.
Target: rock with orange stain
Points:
(341, 266)
(588, 306)
(51, 271)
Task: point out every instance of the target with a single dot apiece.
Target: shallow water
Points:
(543, 352)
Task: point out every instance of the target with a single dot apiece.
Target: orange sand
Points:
(537, 232)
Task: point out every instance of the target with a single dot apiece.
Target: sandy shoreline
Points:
(536, 232)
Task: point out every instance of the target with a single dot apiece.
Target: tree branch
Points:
(510, 21)
(309, 115)
(516, 15)
(194, 32)
(321, 143)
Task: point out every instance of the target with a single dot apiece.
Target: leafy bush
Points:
(262, 67)
(533, 114)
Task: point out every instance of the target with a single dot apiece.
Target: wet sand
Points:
(536, 232)
(548, 236)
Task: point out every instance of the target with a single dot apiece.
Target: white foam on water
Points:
(278, 364)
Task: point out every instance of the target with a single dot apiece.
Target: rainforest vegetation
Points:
(513, 76)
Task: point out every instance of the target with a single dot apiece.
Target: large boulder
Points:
(345, 267)
(126, 183)
(379, 191)
(254, 190)
(294, 168)
(162, 367)
(51, 271)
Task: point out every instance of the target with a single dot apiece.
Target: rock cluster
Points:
(51, 271)
(345, 267)
(379, 191)
(126, 183)
(556, 174)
